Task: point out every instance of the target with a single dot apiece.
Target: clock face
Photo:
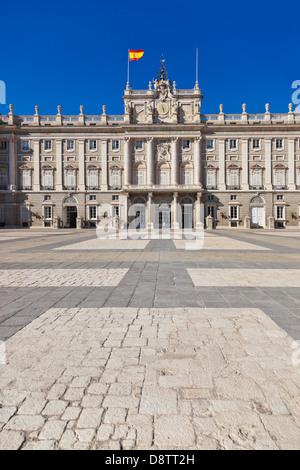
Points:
(162, 108)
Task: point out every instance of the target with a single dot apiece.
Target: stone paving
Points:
(149, 346)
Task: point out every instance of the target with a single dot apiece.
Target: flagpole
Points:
(128, 70)
(197, 65)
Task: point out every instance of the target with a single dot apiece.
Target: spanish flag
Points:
(135, 55)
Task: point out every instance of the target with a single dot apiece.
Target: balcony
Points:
(47, 188)
(93, 188)
(71, 188)
(3, 187)
(256, 187)
(280, 188)
(233, 188)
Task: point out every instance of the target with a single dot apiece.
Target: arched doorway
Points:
(257, 212)
(138, 211)
(70, 212)
(186, 213)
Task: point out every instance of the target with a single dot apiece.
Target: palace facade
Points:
(163, 161)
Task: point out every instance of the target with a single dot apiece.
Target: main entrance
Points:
(187, 213)
(257, 212)
(257, 217)
(163, 216)
(71, 216)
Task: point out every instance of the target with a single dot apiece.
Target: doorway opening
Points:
(71, 216)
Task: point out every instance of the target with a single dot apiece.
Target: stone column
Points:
(127, 162)
(150, 163)
(198, 166)
(104, 164)
(36, 166)
(174, 162)
(12, 163)
(245, 164)
(268, 163)
(291, 174)
(149, 209)
(199, 210)
(222, 184)
(125, 211)
(175, 212)
(59, 176)
(81, 156)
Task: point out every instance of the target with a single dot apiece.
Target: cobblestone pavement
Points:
(149, 346)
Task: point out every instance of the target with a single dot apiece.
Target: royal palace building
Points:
(162, 161)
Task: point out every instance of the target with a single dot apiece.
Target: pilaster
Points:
(104, 164)
(59, 178)
(127, 162)
(150, 163)
(291, 173)
(81, 156)
(36, 166)
(12, 162)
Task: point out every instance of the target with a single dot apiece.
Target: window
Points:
(210, 178)
(115, 179)
(256, 144)
(139, 177)
(3, 145)
(48, 212)
(210, 144)
(115, 145)
(3, 178)
(279, 144)
(93, 179)
(186, 144)
(280, 212)
(92, 197)
(232, 144)
(25, 145)
(187, 177)
(233, 197)
(233, 212)
(139, 144)
(71, 178)
(163, 177)
(25, 213)
(2, 212)
(115, 197)
(93, 145)
(47, 198)
(115, 211)
(70, 144)
(210, 197)
(26, 179)
(257, 178)
(93, 212)
(279, 178)
(279, 197)
(234, 178)
(211, 211)
(48, 145)
(48, 179)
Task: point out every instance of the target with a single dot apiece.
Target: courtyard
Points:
(144, 344)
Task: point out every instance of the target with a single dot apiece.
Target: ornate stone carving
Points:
(163, 152)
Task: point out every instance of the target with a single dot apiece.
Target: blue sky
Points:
(70, 54)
